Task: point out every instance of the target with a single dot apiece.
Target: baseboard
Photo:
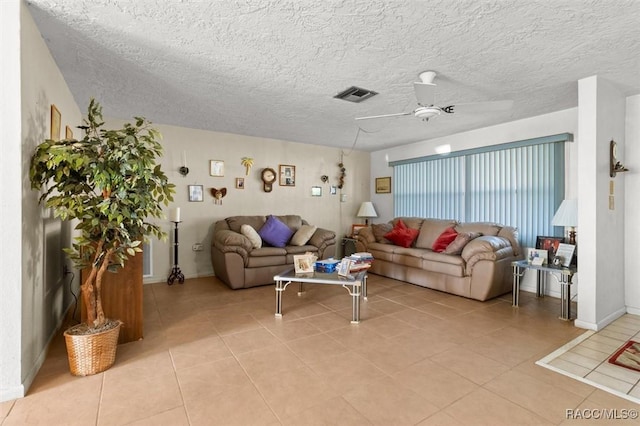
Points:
(602, 323)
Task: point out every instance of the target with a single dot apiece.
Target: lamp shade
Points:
(367, 210)
(567, 214)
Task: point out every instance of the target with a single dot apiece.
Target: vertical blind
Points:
(519, 184)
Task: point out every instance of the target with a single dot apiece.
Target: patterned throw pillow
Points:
(461, 240)
(380, 230)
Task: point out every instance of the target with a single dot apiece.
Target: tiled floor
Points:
(586, 358)
(213, 356)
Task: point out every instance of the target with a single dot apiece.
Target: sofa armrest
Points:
(486, 248)
(231, 241)
(365, 237)
(321, 239)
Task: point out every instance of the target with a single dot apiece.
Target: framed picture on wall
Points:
(196, 193)
(383, 185)
(216, 168)
(68, 133)
(56, 120)
(287, 175)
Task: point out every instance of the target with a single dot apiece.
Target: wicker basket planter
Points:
(91, 353)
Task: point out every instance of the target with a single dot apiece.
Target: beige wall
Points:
(199, 146)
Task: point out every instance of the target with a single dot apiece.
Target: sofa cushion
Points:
(485, 228)
(303, 235)
(460, 242)
(275, 232)
(236, 222)
(379, 230)
(446, 237)
(431, 230)
(402, 236)
(252, 235)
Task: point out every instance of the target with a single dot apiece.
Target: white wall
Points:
(629, 154)
(601, 228)
(565, 121)
(201, 146)
(35, 259)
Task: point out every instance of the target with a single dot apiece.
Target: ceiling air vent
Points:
(355, 94)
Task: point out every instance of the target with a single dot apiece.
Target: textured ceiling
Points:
(270, 68)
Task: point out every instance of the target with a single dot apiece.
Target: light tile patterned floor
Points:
(215, 356)
(586, 358)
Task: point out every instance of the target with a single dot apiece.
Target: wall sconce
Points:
(184, 170)
(615, 166)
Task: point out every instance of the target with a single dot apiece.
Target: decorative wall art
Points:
(56, 120)
(218, 194)
(333, 190)
(287, 175)
(239, 183)
(247, 162)
(383, 185)
(196, 193)
(316, 191)
(343, 173)
(216, 168)
(68, 133)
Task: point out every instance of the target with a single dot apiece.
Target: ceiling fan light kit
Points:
(425, 95)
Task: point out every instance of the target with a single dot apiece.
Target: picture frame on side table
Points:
(356, 227)
(537, 257)
(303, 263)
(383, 185)
(216, 168)
(287, 175)
(550, 244)
(565, 253)
(196, 193)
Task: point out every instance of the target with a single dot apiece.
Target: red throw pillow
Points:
(402, 236)
(446, 238)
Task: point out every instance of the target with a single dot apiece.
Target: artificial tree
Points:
(110, 183)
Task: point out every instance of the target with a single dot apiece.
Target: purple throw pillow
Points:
(275, 232)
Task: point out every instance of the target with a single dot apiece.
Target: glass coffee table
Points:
(355, 284)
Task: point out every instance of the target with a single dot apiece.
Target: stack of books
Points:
(360, 261)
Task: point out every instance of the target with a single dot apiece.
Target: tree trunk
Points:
(100, 319)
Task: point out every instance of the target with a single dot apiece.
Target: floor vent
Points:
(355, 94)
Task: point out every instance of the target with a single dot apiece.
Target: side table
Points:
(348, 246)
(565, 279)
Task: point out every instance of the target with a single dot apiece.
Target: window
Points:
(519, 184)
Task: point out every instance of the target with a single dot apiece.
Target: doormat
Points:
(627, 356)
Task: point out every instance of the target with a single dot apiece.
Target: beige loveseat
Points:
(482, 270)
(238, 264)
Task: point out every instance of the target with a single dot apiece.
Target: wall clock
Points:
(268, 177)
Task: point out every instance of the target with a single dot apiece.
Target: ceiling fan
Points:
(425, 94)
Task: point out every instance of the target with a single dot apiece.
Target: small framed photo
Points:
(303, 263)
(333, 190)
(344, 267)
(355, 228)
(287, 175)
(383, 185)
(564, 254)
(68, 133)
(316, 191)
(196, 193)
(550, 244)
(56, 123)
(239, 183)
(537, 257)
(216, 168)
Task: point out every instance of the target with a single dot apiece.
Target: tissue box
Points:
(327, 265)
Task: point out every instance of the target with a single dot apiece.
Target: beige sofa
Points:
(481, 271)
(238, 264)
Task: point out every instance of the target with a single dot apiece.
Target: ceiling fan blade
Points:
(385, 115)
(425, 93)
(478, 107)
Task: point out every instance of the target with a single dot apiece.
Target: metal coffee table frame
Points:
(355, 284)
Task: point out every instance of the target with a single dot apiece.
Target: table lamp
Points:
(367, 210)
(567, 215)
